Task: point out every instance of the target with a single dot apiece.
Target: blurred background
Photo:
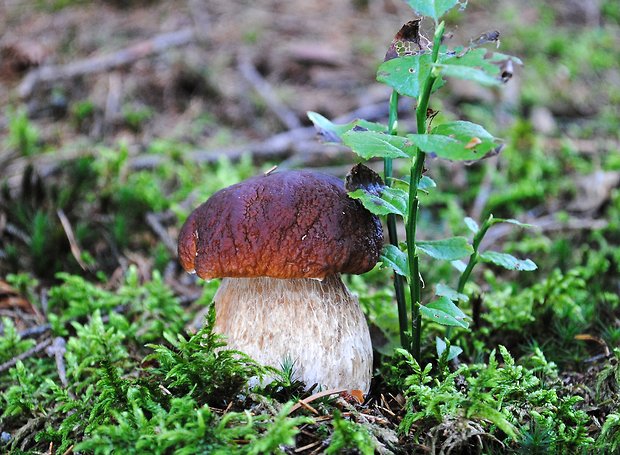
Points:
(119, 117)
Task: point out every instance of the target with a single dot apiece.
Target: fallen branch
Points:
(57, 350)
(316, 396)
(298, 141)
(266, 92)
(34, 331)
(104, 62)
(153, 220)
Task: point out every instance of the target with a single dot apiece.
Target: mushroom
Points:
(280, 242)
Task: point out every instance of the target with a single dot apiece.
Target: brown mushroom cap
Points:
(293, 224)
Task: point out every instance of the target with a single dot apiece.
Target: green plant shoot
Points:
(416, 67)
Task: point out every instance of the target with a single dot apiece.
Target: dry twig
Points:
(315, 396)
(153, 220)
(266, 92)
(75, 249)
(57, 350)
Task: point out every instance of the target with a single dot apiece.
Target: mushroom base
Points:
(318, 325)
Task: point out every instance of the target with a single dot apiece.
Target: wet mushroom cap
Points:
(292, 224)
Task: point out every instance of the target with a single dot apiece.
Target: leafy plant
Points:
(349, 435)
(10, 342)
(200, 367)
(416, 68)
(23, 136)
(609, 439)
(518, 405)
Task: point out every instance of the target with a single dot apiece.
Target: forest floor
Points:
(119, 118)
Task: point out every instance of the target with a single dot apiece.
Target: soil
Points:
(318, 56)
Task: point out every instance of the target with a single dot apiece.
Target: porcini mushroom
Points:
(280, 242)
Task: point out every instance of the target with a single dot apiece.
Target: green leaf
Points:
(512, 221)
(443, 290)
(396, 259)
(449, 249)
(486, 412)
(371, 144)
(432, 8)
(441, 345)
(498, 57)
(443, 311)
(426, 183)
(459, 265)
(332, 132)
(406, 74)
(468, 73)
(472, 225)
(391, 200)
(458, 140)
(508, 261)
(474, 64)
(473, 58)
(463, 131)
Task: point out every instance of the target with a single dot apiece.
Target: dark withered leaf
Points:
(488, 37)
(506, 70)
(408, 41)
(362, 177)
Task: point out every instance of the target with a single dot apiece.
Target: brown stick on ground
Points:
(267, 93)
(104, 62)
(75, 249)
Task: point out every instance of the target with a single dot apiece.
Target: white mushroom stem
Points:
(318, 325)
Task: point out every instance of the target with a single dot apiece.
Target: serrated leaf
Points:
(406, 74)
(391, 200)
(441, 345)
(371, 144)
(449, 249)
(471, 225)
(508, 261)
(432, 8)
(443, 290)
(396, 259)
(453, 141)
(332, 132)
(443, 311)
